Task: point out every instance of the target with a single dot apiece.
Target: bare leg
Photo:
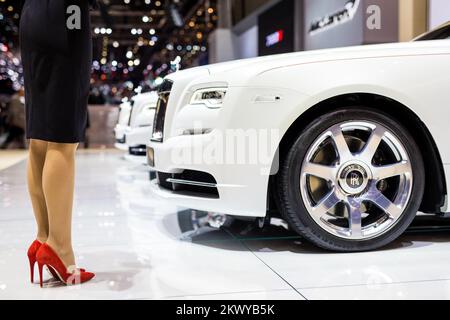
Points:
(58, 186)
(36, 160)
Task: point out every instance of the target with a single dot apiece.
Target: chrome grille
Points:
(160, 113)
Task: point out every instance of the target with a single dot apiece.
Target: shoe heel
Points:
(40, 267)
(32, 263)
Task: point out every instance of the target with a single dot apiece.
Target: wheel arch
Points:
(435, 184)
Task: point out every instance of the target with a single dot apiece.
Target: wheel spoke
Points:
(392, 170)
(384, 204)
(326, 204)
(355, 219)
(321, 171)
(372, 144)
(341, 145)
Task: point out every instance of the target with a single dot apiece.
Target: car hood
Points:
(239, 70)
(262, 64)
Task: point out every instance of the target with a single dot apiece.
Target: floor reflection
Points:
(144, 248)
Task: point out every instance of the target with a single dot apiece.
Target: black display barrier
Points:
(219, 309)
(276, 29)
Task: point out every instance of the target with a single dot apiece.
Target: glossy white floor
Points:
(134, 244)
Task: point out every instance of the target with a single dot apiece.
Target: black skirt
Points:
(57, 66)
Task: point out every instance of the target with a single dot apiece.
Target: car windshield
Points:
(441, 33)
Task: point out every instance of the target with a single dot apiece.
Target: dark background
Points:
(280, 17)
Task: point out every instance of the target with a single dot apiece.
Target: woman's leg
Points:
(58, 186)
(36, 160)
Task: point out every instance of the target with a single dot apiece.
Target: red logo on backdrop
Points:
(274, 38)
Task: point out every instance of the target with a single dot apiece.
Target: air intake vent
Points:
(193, 183)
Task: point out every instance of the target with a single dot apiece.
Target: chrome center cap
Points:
(354, 177)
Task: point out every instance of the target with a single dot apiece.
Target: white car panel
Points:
(122, 124)
(139, 136)
(142, 101)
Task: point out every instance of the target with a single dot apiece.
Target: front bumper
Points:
(242, 189)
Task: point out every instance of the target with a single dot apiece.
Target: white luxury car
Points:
(134, 128)
(346, 144)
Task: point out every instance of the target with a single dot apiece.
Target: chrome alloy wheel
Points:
(356, 180)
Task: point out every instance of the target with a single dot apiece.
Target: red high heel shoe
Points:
(32, 251)
(32, 257)
(47, 257)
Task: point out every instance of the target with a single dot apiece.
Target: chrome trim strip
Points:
(192, 183)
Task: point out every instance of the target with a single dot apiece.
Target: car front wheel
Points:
(352, 181)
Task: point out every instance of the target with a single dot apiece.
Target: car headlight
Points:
(211, 97)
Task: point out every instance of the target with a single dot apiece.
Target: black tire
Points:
(290, 200)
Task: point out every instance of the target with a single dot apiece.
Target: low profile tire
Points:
(352, 181)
